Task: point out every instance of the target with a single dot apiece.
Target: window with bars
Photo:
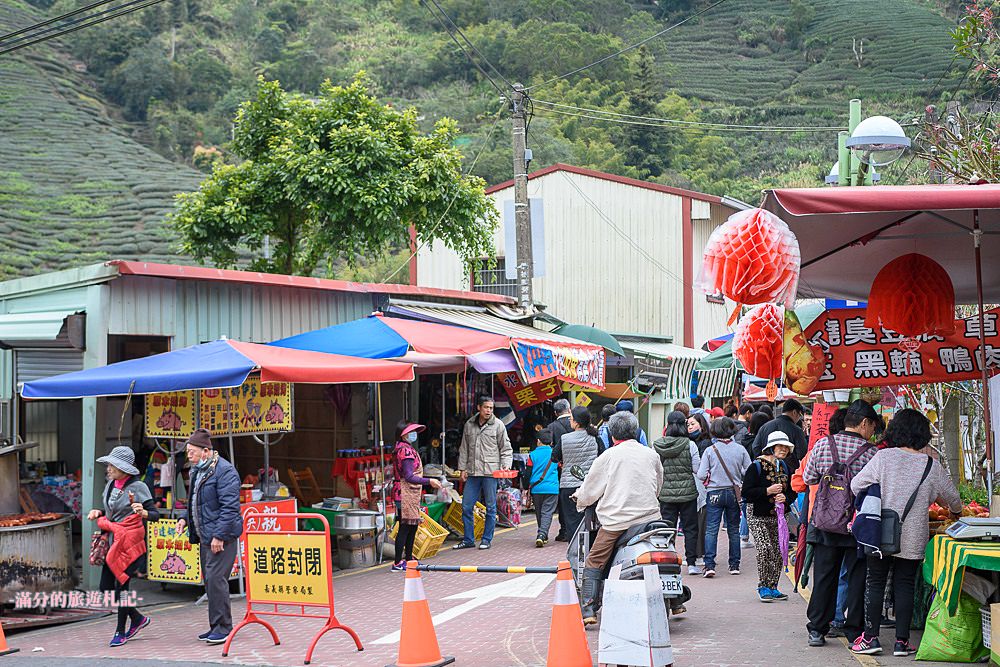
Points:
(493, 279)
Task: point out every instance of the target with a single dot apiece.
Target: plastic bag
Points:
(957, 638)
(979, 588)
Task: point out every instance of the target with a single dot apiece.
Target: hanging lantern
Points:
(757, 341)
(912, 295)
(752, 258)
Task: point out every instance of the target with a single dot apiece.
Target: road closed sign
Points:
(288, 569)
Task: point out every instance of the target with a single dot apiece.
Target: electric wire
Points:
(464, 51)
(472, 165)
(471, 45)
(631, 47)
(50, 21)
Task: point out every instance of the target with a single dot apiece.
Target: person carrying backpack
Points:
(833, 463)
(765, 484)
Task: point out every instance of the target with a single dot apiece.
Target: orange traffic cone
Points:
(418, 645)
(567, 638)
(4, 649)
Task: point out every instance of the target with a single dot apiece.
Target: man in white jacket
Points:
(625, 484)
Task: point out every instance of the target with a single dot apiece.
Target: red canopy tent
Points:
(847, 234)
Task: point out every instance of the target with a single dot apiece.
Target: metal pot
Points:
(355, 521)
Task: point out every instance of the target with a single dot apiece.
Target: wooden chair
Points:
(311, 494)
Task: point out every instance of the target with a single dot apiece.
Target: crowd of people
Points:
(750, 472)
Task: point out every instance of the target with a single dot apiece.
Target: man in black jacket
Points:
(213, 516)
(787, 423)
(560, 427)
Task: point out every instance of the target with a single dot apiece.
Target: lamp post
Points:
(873, 142)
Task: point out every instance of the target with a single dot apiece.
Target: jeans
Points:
(688, 514)
(545, 507)
(904, 577)
(474, 487)
(744, 526)
(838, 616)
(722, 503)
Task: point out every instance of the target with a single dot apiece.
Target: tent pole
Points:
(444, 399)
(381, 459)
(977, 235)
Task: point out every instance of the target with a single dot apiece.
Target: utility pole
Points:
(522, 211)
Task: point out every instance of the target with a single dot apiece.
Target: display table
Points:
(946, 559)
(354, 468)
(434, 511)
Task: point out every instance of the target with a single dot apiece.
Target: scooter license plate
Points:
(671, 584)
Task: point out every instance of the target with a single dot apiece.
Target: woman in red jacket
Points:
(127, 505)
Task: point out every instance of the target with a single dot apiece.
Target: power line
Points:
(612, 115)
(631, 47)
(79, 24)
(42, 24)
(462, 48)
(482, 149)
(471, 45)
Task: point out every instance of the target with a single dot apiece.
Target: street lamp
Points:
(833, 177)
(874, 142)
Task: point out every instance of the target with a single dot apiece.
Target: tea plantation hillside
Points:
(74, 188)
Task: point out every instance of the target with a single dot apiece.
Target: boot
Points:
(588, 593)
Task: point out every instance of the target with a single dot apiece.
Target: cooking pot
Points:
(355, 521)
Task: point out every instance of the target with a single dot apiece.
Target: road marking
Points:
(525, 586)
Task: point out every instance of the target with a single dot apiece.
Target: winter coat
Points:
(215, 491)
(485, 448)
(678, 468)
(623, 483)
(128, 544)
(760, 475)
(795, 434)
(540, 458)
(577, 448)
(560, 427)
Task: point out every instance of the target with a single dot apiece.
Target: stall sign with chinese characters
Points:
(524, 396)
(171, 557)
(860, 356)
(581, 365)
(170, 415)
(288, 569)
(253, 407)
(261, 516)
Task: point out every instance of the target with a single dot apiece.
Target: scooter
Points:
(651, 543)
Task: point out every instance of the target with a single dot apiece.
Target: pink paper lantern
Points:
(912, 295)
(757, 342)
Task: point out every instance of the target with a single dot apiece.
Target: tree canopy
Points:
(338, 176)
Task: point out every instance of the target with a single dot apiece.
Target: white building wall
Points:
(709, 318)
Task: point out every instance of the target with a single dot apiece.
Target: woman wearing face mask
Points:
(407, 490)
(697, 427)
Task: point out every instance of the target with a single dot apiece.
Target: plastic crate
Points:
(453, 519)
(987, 639)
(430, 537)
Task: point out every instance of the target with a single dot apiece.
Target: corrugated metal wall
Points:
(709, 318)
(193, 311)
(593, 274)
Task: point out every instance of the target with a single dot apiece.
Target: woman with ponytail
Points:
(579, 447)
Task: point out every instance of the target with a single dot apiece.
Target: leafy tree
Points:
(646, 148)
(338, 177)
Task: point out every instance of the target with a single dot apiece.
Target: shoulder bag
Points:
(736, 487)
(892, 523)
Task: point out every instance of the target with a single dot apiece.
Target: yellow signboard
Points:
(171, 415)
(171, 558)
(288, 569)
(253, 407)
(583, 399)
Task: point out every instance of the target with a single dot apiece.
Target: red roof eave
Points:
(181, 272)
(624, 180)
(887, 198)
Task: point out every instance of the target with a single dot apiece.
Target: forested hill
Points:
(73, 112)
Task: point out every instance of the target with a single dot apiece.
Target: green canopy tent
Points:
(592, 335)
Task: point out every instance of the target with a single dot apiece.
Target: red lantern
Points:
(757, 342)
(912, 295)
(752, 258)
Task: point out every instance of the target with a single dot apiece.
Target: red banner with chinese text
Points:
(524, 396)
(859, 356)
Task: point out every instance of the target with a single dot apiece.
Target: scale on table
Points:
(979, 529)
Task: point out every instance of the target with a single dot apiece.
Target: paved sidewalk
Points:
(725, 624)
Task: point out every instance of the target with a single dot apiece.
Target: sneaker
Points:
(118, 640)
(865, 645)
(561, 537)
(539, 543)
(484, 545)
(398, 567)
(134, 629)
(745, 544)
(678, 610)
(709, 573)
(764, 594)
(203, 636)
(816, 639)
(734, 570)
(463, 545)
(694, 569)
(902, 648)
(778, 595)
(217, 638)
(836, 630)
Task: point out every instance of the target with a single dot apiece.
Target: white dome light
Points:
(834, 176)
(878, 141)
